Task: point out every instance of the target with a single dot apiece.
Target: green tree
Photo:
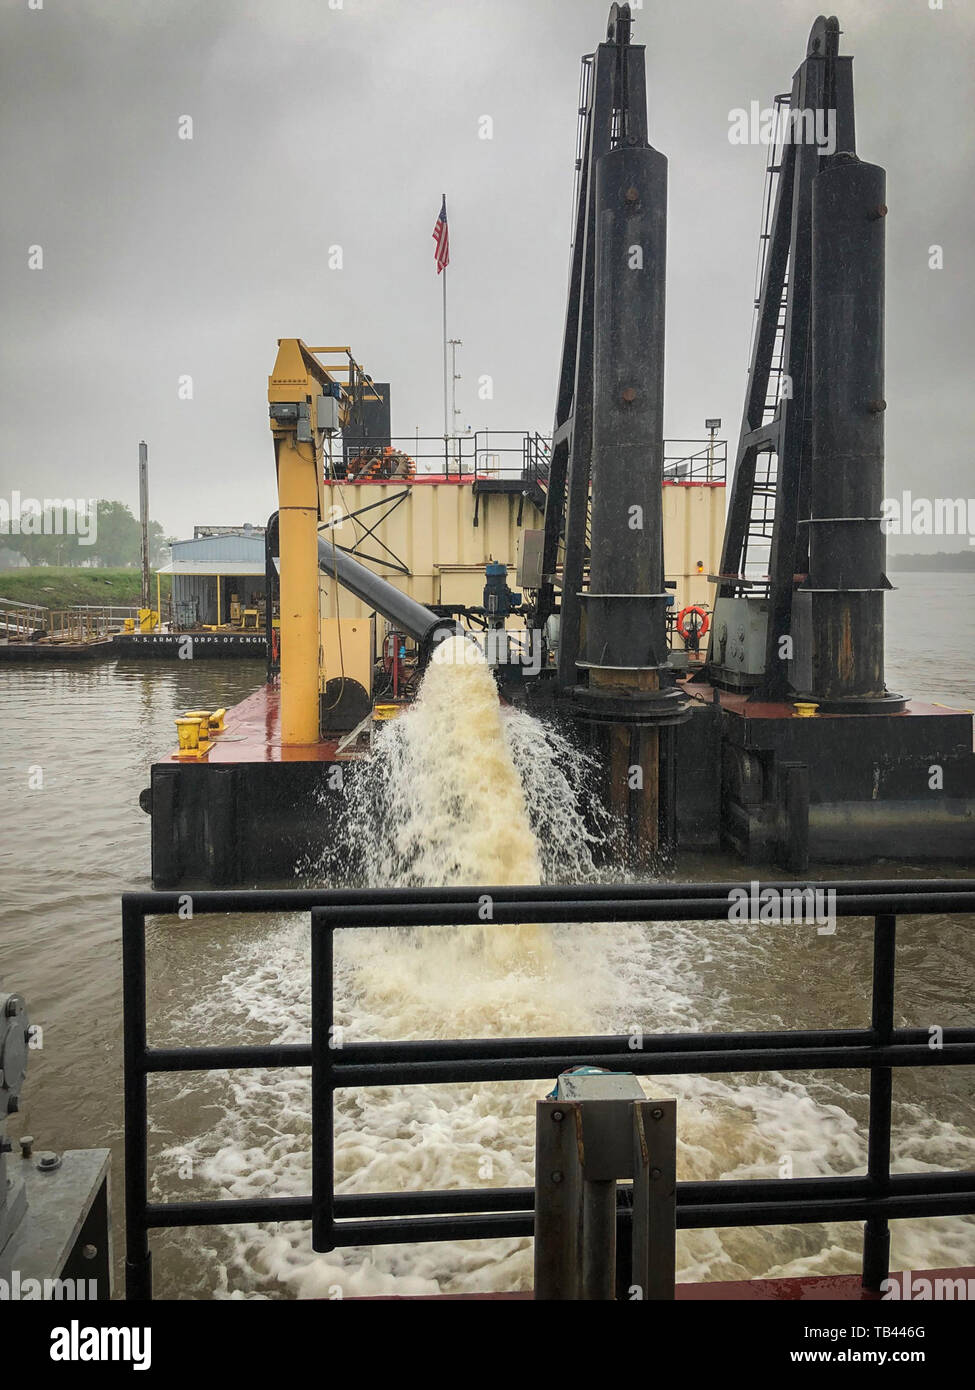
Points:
(119, 536)
(157, 543)
(117, 542)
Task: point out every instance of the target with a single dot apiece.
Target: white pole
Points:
(446, 428)
(455, 343)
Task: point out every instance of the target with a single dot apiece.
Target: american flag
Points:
(442, 252)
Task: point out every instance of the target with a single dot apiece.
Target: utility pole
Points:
(144, 517)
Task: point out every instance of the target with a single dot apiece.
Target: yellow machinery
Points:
(148, 621)
(440, 538)
(306, 404)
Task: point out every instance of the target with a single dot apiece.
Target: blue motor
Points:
(499, 601)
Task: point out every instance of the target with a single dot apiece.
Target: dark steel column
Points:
(847, 547)
(630, 685)
(626, 604)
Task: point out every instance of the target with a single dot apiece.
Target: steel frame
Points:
(822, 83)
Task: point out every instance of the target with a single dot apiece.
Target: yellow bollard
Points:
(806, 709)
(217, 721)
(202, 717)
(188, 732)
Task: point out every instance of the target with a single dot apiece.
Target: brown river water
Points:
(72, 844)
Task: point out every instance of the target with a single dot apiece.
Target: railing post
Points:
(138, 1258)
(876, 1233)
(323, 1042)
(654, 1199)
(558, 1188)
(600, 1128)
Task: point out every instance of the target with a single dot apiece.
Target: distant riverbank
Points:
(942, 562)
(65, 585)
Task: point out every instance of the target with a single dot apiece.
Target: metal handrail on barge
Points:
(341, 1220)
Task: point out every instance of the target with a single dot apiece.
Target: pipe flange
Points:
(660, 708)
(860, 704)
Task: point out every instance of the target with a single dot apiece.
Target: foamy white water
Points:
(463, 792)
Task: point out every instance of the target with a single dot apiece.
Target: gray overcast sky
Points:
(316, 126)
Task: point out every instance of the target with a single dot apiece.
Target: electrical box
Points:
(740, 627)
(328, 413)
(529, 559)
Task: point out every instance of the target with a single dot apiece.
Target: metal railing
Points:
(516, 455)
(695, 461)
(79, 623)
(348, 1219)
(22, 620)
(482, 454)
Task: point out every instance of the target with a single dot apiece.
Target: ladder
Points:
(757, 546)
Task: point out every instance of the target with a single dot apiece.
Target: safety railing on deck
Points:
(695, 461)
(348, 1219)
(80, 623)
(481, 454)
(494, 455)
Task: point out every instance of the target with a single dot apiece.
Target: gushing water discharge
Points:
(442, 803)
(462, 792)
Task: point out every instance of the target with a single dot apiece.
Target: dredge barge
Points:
(732, 688)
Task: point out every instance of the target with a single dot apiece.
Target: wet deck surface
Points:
(737, 702)
(253, 735)
(835, 1288)
(253, 728)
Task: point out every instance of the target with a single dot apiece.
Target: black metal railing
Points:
(695, 461)
(342, 1219)
(494, 455)
(470, 455)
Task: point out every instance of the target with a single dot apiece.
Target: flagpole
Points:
(445, 417)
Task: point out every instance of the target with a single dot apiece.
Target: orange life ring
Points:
(705, 621)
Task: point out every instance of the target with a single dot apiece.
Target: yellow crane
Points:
(307, 401)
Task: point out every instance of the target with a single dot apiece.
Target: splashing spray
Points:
(444, 800)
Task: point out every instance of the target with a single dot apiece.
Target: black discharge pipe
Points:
(847, 546)
(408, 616)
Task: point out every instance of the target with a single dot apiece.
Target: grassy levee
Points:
(62, 586)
